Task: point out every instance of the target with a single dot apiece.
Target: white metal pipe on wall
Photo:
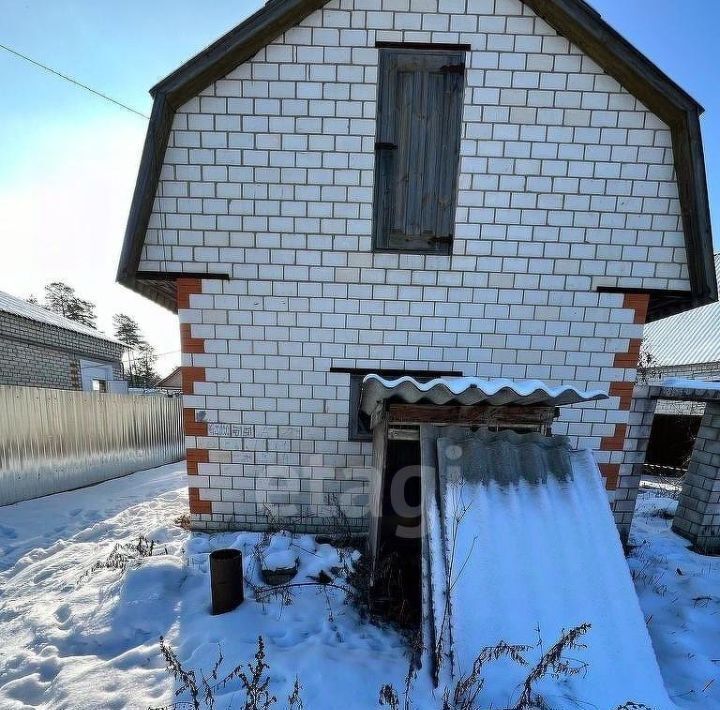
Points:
(56, 440)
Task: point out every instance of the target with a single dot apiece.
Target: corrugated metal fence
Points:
(56, 440)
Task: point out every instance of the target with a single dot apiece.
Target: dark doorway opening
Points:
(398, 574)
(671, 441)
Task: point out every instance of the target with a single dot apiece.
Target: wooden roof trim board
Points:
(574, 19)
(214, 62)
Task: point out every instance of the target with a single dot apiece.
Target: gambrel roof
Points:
(574, 19)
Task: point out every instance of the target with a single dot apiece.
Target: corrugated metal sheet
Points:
(31, 311)
(503, 457)
(470, 390)
(519, 534)
(56, 440)
(687, 338)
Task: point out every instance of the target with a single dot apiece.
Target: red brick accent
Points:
(624, 390)
(188, 344)
(194, 457)
(196, 505)
(191, 375)
(631, 357)
(186, 288)
(639, 302)
(611, 473)
(616, 441)
(190, 426)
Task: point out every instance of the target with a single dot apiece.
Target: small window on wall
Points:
(417, 149)
(99, 386)
(359, 429)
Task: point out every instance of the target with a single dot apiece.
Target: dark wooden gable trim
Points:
(234, 48)
(574, 19)
(214, 62)
(584, 27)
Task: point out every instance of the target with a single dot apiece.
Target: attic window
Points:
(417, 149)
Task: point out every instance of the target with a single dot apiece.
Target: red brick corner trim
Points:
(190, 426)
(188, 344)
(198, 506)
(195, 457)
(623, 389)
(611, 474)
(186, 288)
(190, 376)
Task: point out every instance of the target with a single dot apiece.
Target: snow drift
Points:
(520, 546)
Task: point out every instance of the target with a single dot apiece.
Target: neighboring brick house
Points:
(39, 348)
(496, 188)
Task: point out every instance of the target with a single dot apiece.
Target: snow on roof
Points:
(31, 311)
(687, 338)
(682, 389)
(682, 383)
(470, 390)
(542, 553)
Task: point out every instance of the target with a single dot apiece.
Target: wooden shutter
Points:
(420, 100)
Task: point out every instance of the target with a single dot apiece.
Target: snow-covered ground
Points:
(679, 594)
(75, 638)
(69, 640)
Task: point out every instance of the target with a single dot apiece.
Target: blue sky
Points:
(69, 159)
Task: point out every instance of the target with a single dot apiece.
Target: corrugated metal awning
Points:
(470, 390)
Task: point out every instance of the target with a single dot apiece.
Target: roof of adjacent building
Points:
(686, 390)
(470, 390)
(32, 311)
(574, 19)
(171, 381)
(689, 338)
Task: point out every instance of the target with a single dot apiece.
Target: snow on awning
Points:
(469, 390)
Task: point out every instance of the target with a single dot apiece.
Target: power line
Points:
(73, 81)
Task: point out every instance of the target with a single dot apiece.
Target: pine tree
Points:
(144, 374)
(61, 298)
(140, 354)
(127, 330)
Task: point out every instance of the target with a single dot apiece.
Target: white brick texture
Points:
(566, 184)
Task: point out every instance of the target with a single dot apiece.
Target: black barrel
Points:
(226, 580)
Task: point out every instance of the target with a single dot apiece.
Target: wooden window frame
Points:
(387, 52)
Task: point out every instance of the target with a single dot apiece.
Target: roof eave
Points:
(151, 162)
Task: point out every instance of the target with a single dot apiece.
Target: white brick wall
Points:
(566, 184)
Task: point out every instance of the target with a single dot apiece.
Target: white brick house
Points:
(574, 173)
